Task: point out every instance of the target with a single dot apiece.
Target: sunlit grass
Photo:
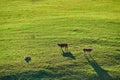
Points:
(35, 27)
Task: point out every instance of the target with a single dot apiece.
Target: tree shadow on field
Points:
(31, 75)
(102, 74)
(68, 54)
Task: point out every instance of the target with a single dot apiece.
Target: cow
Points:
(63, 46)
(87, 50)
(27, 59)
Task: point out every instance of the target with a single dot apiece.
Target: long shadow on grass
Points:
(102, 74)
(31, 75)
(68, 54)
(48, 73)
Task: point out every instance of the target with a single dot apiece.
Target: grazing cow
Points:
(87, 50)
(63, 46)
(27, 59)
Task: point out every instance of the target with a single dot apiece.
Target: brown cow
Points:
(87, 50)
(63, 46)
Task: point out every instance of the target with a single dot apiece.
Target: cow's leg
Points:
(62, 50)
(66, 49)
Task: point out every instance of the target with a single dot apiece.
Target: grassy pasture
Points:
(34, 27)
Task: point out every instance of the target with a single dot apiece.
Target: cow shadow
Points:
(68, 54)
(102, 74)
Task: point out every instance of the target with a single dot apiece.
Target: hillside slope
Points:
(35, 27)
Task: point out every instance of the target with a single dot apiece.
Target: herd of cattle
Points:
(65, 46)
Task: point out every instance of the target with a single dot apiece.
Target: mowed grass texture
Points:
(34, 28)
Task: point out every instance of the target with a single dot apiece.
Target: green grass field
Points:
(35, 27)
